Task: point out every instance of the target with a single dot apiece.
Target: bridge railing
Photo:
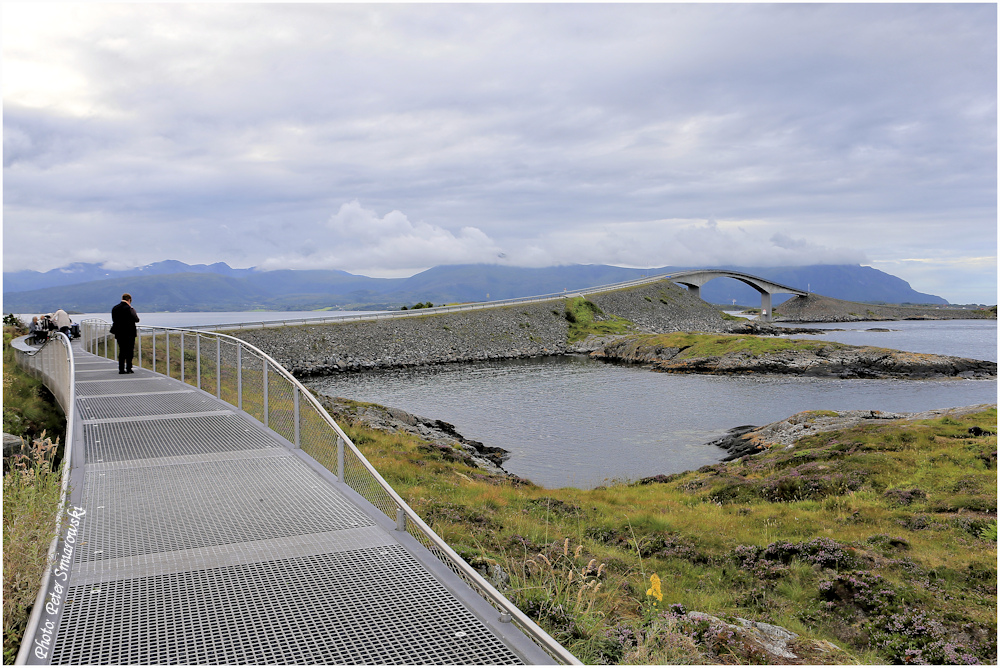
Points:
(53, 364)
(249, 379)
(472, 306)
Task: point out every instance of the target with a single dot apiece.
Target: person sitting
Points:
(35, 332)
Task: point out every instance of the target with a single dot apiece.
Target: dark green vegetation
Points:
(29, 409)
(418, 305)
(879, 540)
(585, 318)
(175, 286)
(30, 494)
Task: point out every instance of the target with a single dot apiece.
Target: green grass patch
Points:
(586, 318)
(697, 345)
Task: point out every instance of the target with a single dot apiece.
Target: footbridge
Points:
(216, 514)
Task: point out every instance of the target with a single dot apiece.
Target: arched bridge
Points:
(693, 280)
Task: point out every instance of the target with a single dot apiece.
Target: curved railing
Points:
(247, 378)
(53, 364)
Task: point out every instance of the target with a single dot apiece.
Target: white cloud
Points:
(358, 240)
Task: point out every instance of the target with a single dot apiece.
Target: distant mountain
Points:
(82, 272)
(175, 286)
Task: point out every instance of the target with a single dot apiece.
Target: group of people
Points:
(123, 319)
(40, 326)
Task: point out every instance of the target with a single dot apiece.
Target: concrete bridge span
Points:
(693, 280)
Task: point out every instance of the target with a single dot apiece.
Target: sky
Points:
(386, 139)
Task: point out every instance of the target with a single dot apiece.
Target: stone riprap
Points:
(504, 332)
(817, 308)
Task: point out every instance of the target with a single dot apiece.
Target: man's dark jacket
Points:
(123, 319)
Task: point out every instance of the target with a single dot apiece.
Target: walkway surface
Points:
(200, 537)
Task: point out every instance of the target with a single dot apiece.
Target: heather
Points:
(874, 545)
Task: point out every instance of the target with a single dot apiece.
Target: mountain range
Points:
(176, 286)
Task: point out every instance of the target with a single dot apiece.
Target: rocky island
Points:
(691, 352)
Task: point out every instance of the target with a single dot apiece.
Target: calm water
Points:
(200, 318)
(571, 421)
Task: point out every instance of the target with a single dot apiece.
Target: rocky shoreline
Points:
(439, 434)
(832, 360)
(749, 440)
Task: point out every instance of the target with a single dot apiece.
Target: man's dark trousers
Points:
(126, 349)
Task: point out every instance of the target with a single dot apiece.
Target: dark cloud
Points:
(387, 138)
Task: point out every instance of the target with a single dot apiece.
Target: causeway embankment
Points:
(505, 332)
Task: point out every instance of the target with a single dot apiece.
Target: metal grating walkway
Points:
(200, 537)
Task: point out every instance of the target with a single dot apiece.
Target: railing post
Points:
(218, 368)
(400, 520)
(154, 351)
(197, 359)
(267, 409)
(140, 350)
(340, 458)
(183, 361)
(167, 334)
(239, 376)
(295, 402)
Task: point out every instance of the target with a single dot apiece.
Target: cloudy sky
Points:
(386, 139)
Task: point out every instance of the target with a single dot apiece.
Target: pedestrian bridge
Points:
(215, 514)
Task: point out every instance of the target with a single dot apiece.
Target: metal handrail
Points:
(97, 339)
(52, 363)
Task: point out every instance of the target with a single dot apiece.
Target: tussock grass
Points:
(778, 538)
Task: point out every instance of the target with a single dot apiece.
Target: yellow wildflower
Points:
(654, 588)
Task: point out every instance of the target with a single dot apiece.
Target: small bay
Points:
(573, 421)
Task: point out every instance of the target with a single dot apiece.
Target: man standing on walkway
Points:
(62, 322)
(123, 319)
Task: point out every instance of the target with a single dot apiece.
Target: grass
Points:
(698, 345)
(31, 486)
(30, 499)
(586, 318)
(880, 541)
